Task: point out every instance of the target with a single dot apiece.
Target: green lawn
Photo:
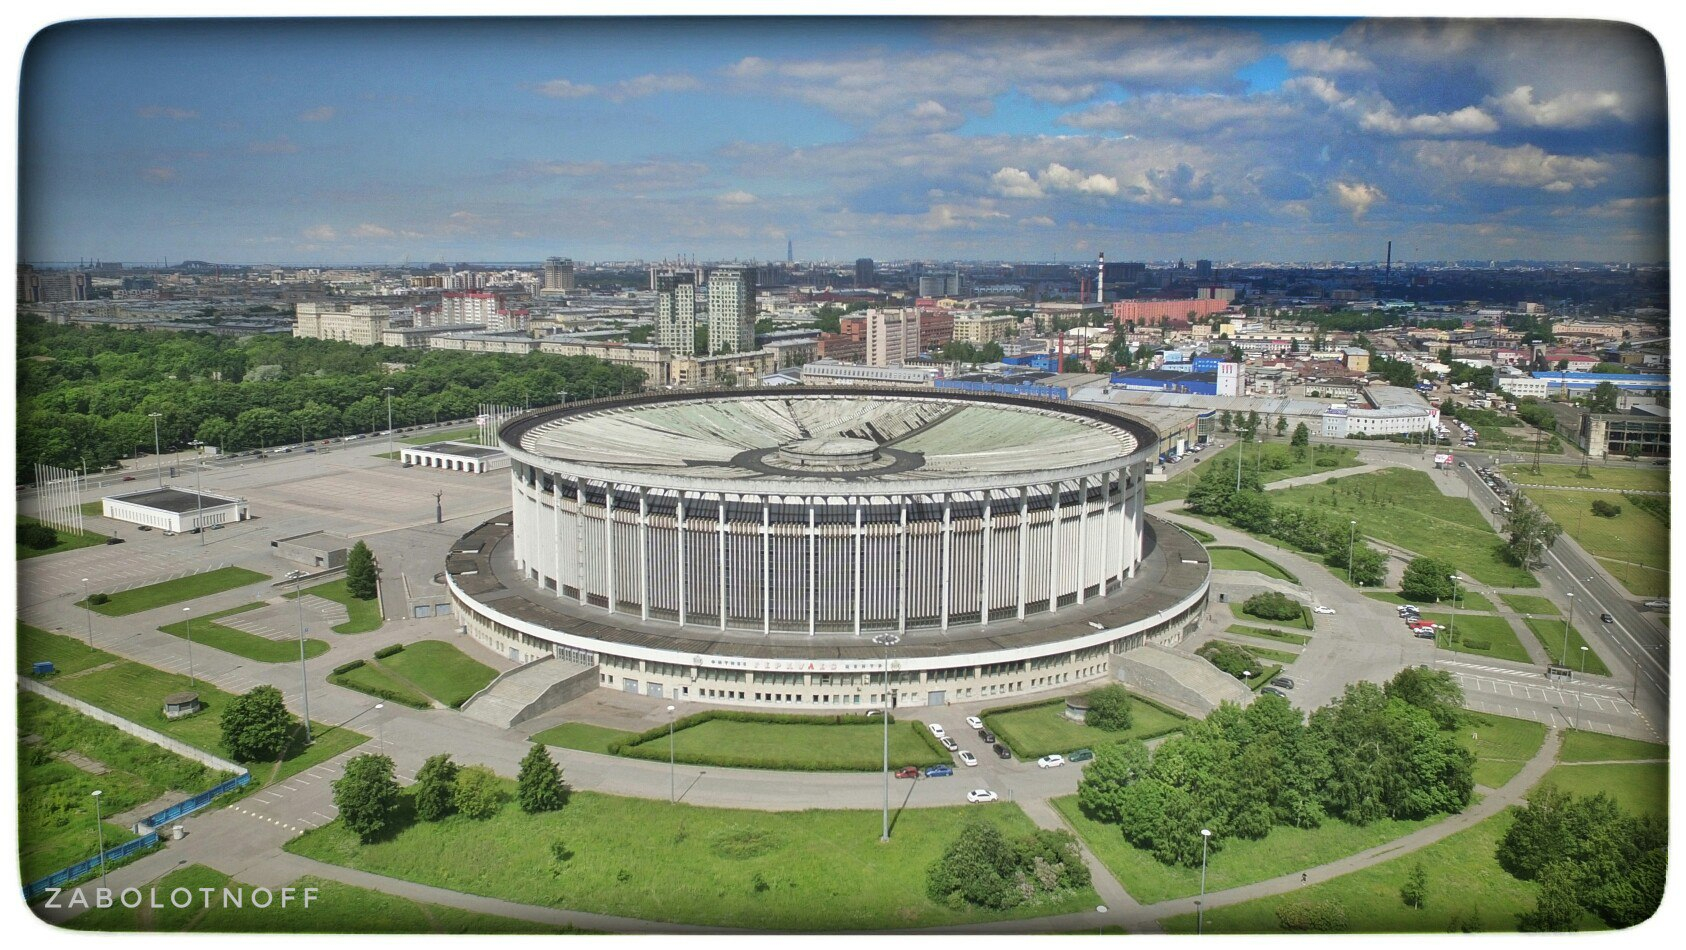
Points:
(1639, 787)
(334, 908)
(1304, 623)
(1265, 633)
(207, 632)
(1467, 599)
(821, 747)
(470, 434)
(1041, 730)
(1550, 635)
(136, 692)
(1500, 640)
(1236, 862)
(1582, 746)
(365, 615)
(1404, 507)
(1271, 451)
(1463, 879)
(1275, 656)
(372, 679)
(1649, 478)
(582, 736)
(1204, 537)
(1241, 559)
(1631, 538)
(441, 670)
(1529, 604)
(1501, 745)
(822, 870)
(165, 593)
(56, 816)
(68, 654)
(68, 541)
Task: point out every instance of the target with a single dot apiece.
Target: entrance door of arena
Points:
(937, 697)
(629, 685)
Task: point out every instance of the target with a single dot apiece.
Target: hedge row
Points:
(385, 652)
(346, 667)
(619, 746)
(381, 692)
(932, 742)
(657, 752)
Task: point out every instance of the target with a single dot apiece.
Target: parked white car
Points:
(967, 758)
(937, 730)
(950, 744)
(978, 795)
(1322, 609)
(974, 722)
(1050, 762)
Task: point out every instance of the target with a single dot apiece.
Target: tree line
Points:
(85, 395)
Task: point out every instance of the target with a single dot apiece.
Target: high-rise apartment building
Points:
(471, 308)
(1203, 270)
(731, 310)
(361, 323)
(558, 276)
(939, 285)
(892, 336)
(52, 286)
(864, 276)
(676, 312)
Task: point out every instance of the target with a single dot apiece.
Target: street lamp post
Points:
(388, 419)
(199, 491)
(157, 456)
(886, 640)
(380, 728)
(1200, 906)
(1351, 533)
(672, 787)
(99, 827)
(297, 577)
(1452, 628)
(1567, 623)
(1583, 659)
(89, 608)
(189, 622)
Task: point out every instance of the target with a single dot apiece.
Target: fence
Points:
(188, 806)
(59, 878)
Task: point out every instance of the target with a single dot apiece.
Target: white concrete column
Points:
(643, 554)
(1024, 545)
(679, 512)
(812, 551)
(1133, 529)
(1109, 527)
(1054, 580)
(948, 542)
(901, 572)
(579, 538)
(609, 543)
(556, 530)
(988, 557)
(1082, 535)
(766, 566)
(860, 543)
(722, 564)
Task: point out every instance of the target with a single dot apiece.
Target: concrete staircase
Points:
(530, 690)
(1181, 680)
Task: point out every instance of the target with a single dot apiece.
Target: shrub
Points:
(346, 667)
(539, 786)
(35, 535)
(385, 652)
(1232, 658)
(1321, 916)
(1606, 509)
(1109, 708)
(479, 792)
(97, 599)
(436, 788)
(1325, 462)
(1272, 606)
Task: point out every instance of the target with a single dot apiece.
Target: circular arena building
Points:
(756, 547)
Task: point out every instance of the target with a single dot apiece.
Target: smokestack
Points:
(1389, 272)
(1100, 279)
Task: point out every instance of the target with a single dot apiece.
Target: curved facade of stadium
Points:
(759, 530)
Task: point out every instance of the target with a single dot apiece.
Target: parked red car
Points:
(911, 771)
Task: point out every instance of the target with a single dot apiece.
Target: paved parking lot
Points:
(1523, 695)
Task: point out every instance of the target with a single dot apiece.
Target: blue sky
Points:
(379, 140)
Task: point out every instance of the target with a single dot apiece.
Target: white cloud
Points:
(321, 232)
(565, 89)
(637, 87)
(318, 114)
(166, 112)
(1054, 179)
(1571, 110)
(1521, 166)
(1356, 196)
(737, 198)
(1323, 56)
(1014, 183)
(367, 230)
(1469, 120)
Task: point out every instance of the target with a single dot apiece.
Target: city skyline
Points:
(364, 141)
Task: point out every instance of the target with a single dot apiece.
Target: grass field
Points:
(1467, 599)
(1237, 862)
(334, 908)
(68, 541)
(365, 615)
(372, 679)
(1040, 730)
(821, 747)
(207, 632)
(1649, 478)
(1501, 745)
(441, 670)
(1241, 559)
(1275, 656)
(582, 736)
(814, 870)
(1403, 507)
(1550, 635)
(181, 589)
(1264, 633)
(1304, 623)
(1463, 879)
(1529, 604)
(468, 434)
(1637, 787)
(1633, 546)
(1582, 746)
(1178, 485)
(1501, 642)
(136, 692)
(56, 816)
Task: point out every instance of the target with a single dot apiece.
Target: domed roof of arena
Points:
(763, 436)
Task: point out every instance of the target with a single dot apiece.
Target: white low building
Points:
(455, 457)
(172, 509)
